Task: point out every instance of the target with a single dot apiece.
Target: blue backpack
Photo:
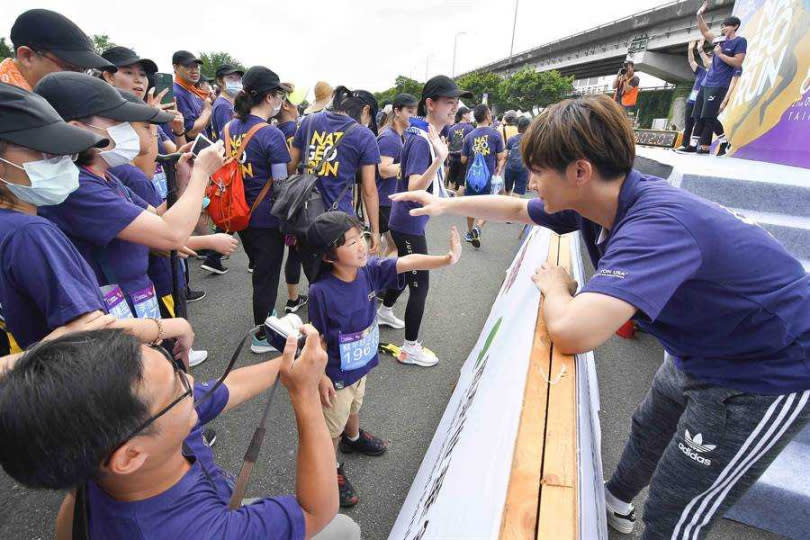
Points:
(478, 174)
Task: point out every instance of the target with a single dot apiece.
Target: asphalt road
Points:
(403, 403)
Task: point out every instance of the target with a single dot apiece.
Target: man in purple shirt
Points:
(729, 304)
(194, 103)
(133, 441)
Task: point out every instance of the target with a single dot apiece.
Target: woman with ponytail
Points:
(316, 143)
(264, 160)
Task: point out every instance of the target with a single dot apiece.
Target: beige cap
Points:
(323, 94)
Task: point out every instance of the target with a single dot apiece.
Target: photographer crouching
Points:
(625, 87)
(100, 410)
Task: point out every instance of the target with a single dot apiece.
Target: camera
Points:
(623, 70)
(277, 329)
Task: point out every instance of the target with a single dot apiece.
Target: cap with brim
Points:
(227, 69)
(260, 79)
(46, 30)
(442, 86)
(323, 233)
(121, 56)
(323, 94)
(184, 58)
(76, 96)
(405, 100)
(28, 120)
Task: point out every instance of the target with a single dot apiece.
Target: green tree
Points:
(212, 60)
(5, 49)
(101, 42)
(528, 88)
(482, 83)
(402, 84)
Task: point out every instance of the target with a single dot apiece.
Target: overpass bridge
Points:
(656, 40)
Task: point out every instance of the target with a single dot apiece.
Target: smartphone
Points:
(200, 143)
(276, 331)
(162, 82)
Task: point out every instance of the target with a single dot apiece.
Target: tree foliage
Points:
(212, 60)
(529, 88)
(481, 83)
(5, 49)
(402, 85)
(101, 42)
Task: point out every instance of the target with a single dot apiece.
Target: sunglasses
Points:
(188, 391)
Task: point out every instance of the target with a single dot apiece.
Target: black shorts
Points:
(516, 180)
(385, 215)
(455, 174)
(707, 102)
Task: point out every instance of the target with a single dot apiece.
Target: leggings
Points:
(418, 283)
(690, 124)
(267, 251)
(292, 268)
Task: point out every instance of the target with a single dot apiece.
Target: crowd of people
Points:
(101, 200)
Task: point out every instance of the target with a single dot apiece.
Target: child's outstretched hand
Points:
(455, 246)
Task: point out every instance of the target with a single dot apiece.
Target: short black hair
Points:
(523, 124)
(67, 404)
(732, 21)
(480, 112)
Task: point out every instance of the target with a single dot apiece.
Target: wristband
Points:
(179, 134)
(160, 334)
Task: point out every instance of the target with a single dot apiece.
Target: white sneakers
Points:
(622, 519)
(413, 353)
(386, 317)
(195, 358)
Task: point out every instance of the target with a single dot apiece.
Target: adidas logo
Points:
(694, 447)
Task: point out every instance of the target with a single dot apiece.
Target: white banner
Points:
(460, 489)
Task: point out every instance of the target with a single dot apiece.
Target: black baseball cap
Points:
(441, 86)
(405, 100)
(76, 96)
(121, 56)
(260, 79)
(324, 233)
(228, 69)
(45, 30)
(28, 120)
(184, 58)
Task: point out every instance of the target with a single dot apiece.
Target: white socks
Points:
(615, 504)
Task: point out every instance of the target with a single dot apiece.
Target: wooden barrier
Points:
(541, 500)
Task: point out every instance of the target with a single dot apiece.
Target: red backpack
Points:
(228, 207)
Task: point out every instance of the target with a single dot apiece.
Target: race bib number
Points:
(146, 304)
(159, 180)
(358, 348)
(116, 302)
(693, 95)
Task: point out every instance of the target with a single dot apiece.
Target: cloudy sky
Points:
(359, 43)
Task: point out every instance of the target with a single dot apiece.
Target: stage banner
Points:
(768, 117)
(460, 489)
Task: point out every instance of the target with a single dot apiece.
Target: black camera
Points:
(623, 70)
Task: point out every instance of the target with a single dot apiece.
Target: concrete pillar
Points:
(669, 67)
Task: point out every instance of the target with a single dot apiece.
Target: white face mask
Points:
(52, 180)
(233, 87)
(127, 144)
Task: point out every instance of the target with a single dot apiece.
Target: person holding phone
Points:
(264, 161)
(193, 102)
(112, 227)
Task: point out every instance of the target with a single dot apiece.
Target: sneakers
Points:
(366, 444)
(250, 269)
(702, 152)
(623, 523)
(686, 149)
(415, 354)
(386, 317)
(294, 305)
(194, 296)
(348, 497)
(209, 437)
(214, 266)
(468, 238)
(476, 237)
(195, 358)
(260, 345)
(723, 148)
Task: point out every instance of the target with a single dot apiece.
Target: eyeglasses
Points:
(64, 66)
(188, 391)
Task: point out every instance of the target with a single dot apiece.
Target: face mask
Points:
(127, 144)
(233, 87)
(276, 110)
(52, 180)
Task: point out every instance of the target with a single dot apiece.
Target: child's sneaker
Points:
(348, 497)
(415, 354)
(366, 444)
(386, 317)
(259, 345)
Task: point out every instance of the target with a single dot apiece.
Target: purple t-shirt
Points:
(221, 114)
(718, 291)
(700, 76)
(266, 148)
(338, 309)
(44, 281)
(514, 161)
(288, 129)
(720, 73)
(160, 268)
(92, 217)
(415, 159)
(455, 137)
(197, 505)
(485, 141)
(189, 104)
(339, 169)
(390, 144)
